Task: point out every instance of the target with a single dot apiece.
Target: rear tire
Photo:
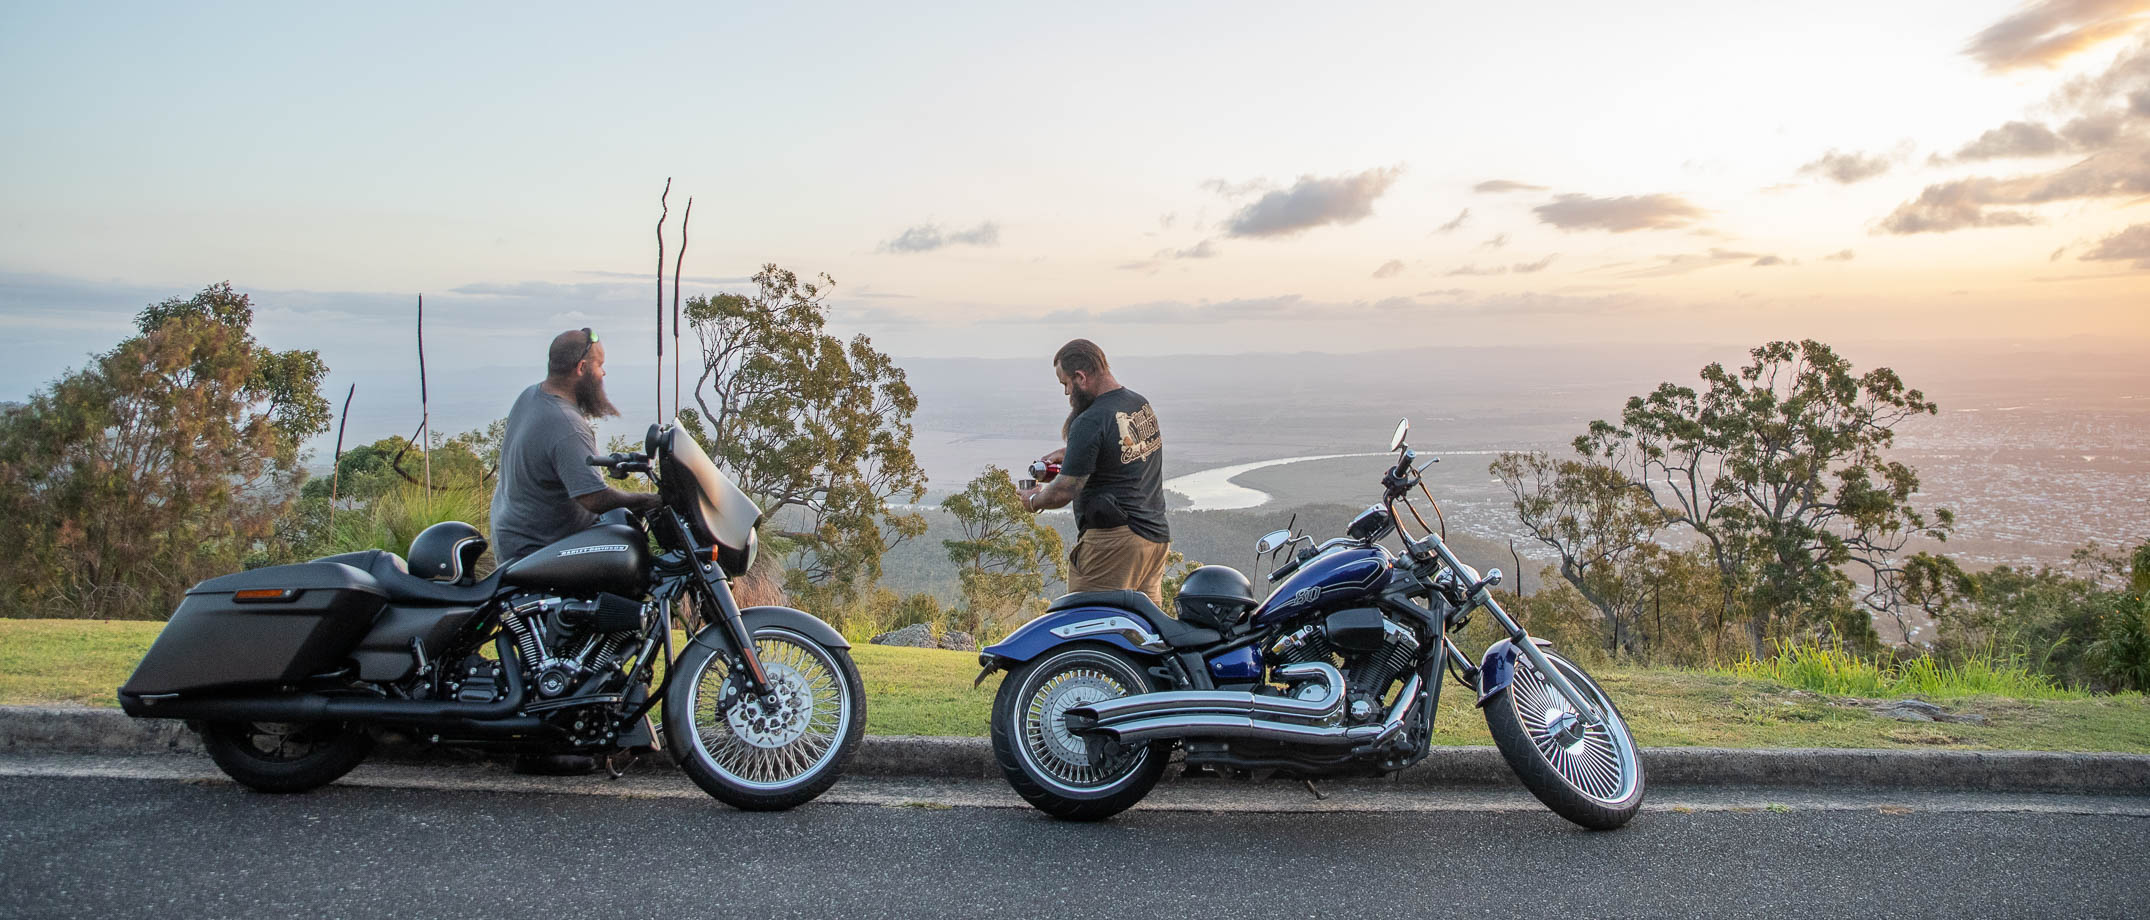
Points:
(1048, 767)
(1591, 776)
(283, 757)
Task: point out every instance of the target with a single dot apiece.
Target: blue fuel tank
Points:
(1344, 576)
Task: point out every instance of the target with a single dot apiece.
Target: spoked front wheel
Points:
(1588, 774)
(766, 753)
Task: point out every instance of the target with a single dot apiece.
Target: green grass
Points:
(1839, 672)
(928, 692)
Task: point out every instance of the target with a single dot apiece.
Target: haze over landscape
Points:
(1287, 226)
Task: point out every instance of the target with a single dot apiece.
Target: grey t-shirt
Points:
(543, 468)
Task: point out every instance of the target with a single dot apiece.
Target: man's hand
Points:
(1028, 494)
(1055, 494)
(1055, 455)
(601, 502)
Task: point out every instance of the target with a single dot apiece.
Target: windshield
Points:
(725, 511)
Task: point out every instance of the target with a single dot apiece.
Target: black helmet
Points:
(1214, 596)
(447, 551)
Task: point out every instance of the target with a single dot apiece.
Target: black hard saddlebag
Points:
(269, 626)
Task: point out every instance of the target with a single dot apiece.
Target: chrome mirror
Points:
(1403, 427)
(1271, 542)
(1493, 577)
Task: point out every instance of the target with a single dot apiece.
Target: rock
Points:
(1922, 711)
(958, 640)
(916, 635)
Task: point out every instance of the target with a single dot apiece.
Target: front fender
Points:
(798, 621)
(1497, 671)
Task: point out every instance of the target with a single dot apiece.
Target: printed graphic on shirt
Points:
(1138, 434)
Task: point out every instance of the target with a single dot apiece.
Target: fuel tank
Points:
(613, 558)
(1342, 576)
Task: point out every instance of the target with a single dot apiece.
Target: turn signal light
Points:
(254, 595)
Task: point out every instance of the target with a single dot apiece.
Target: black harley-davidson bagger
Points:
(290, 672)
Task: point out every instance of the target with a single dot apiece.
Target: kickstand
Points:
(1310, 790)
(614, 769)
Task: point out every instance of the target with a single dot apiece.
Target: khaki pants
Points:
(1113, 559)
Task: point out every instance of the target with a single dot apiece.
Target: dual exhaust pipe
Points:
(1145, 717)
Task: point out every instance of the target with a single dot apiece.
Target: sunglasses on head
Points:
(589, 341)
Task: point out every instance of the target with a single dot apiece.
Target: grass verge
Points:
(928, 692)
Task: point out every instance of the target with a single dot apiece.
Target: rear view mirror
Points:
(1270, 542)
(1403, 427)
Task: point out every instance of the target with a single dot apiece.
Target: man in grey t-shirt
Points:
(547, 490)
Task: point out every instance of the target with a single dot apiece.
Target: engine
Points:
(1371, 650)
(563, 642)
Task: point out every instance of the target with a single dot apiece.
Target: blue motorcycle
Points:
(1334, 675)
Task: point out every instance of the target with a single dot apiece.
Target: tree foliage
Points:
(168, 460)
(1779, 468)
(1601, 526)
(1005, 556)
(817, 429)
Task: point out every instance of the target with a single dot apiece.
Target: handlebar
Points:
(619, 465)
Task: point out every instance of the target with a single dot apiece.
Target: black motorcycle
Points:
(1336, 674)
(290, 672)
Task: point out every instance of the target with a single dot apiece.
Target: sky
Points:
(992, 179)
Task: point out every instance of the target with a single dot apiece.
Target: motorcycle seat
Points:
(405, 588)
(1175, 632)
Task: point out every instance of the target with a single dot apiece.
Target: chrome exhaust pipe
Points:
(1242, 725)
(1169, 703)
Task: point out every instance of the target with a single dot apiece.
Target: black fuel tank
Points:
(608, 557)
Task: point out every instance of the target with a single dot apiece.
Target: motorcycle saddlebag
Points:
(275, 625)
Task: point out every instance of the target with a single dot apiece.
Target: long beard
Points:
(590, 398)
(1077, 402)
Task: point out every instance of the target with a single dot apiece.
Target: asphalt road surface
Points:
(162, 837)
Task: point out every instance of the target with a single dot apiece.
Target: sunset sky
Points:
(991, 180)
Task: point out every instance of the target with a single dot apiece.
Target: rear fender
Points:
(1498, 669)
(1122, 629)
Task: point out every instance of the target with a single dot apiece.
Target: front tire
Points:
(1050, 767)
(773, 753)
(1591, 775)
(283, 757)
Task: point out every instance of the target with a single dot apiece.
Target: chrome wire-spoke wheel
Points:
(1061, 758)
(781, 739)
(1598, 761)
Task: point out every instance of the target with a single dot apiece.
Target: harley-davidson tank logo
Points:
(603, 548)
(1307, 595)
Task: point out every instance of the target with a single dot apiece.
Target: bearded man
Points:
(547, 490)
(1112, 470)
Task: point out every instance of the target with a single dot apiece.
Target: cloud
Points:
(1976, 202)
(1389, 269)
(1683, 263)
(1529, 268)
(1473, 269)
(1619, 215)
(1841, 255)
(2132, 244)
(1296, 308)
(1206, 249)
(553, 290)
(1769, 260)
(2047, 32)
(2014, 139)
(1497, 186)
(647, 276)
(1312, 202)
(1498, 240)
(929, 237)
(1237, 189)
(1453, 225)
(1846, 168)
(2114, 151)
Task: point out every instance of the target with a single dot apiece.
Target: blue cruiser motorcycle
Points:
(1335, 675)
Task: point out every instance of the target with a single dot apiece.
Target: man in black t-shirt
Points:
(1112, 469)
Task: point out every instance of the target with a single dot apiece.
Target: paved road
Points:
(113, 838)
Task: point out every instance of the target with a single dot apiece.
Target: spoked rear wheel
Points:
(1049, 766)
(285, 756)
(1588, 774)
(766, 753)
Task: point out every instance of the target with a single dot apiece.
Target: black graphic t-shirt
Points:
(1115, 442)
